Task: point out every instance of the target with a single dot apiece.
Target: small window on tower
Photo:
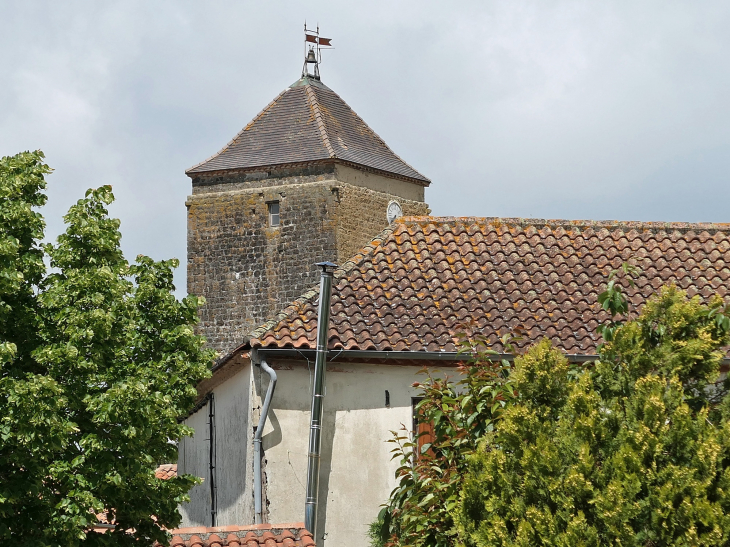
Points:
(274, 213)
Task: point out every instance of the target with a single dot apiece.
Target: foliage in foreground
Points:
(97, 361)
(420, 508)
(634, 451)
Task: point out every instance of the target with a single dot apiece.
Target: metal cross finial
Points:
(312, 53)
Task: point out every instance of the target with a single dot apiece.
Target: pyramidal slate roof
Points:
(308, 122)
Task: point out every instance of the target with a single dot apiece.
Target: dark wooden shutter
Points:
(424, 430)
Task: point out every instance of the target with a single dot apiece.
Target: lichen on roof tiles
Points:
(542, 275)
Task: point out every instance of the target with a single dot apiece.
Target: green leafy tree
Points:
(633, 451)
(419, 511)
(98, 360)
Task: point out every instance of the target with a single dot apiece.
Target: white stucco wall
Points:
(233, 465)
(357, 473)
(234, 469)
(193, 460)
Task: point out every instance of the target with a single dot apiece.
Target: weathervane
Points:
(313, 53)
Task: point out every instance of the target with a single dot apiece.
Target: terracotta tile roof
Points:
(276, 535)
(308, 122)
(166, 471)
(411, 287)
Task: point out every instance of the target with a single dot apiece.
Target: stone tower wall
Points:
(361, 215)
(248, 271)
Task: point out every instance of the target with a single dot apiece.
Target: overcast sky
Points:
(579, 110)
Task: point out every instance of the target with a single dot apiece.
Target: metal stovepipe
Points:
(315, 428)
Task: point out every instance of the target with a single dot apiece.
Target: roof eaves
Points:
(194, 168)
(355, 165)
(362, 167)
(223, 359)
(271, 166)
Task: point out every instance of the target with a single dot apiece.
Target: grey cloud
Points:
(513, 108)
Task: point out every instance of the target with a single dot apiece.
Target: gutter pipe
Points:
(334, 355)
(257, 479)
(356, 354)
(315, 428)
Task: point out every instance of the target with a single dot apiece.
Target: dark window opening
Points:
(274, 218)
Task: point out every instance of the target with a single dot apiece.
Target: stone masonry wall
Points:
(248, 271)
(361, 216)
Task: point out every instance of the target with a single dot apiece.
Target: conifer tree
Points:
(633, 451)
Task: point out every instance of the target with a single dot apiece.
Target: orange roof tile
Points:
(414, 284)
(270, 535)
(166, 471)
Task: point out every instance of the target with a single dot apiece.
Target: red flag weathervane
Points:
(312, 54)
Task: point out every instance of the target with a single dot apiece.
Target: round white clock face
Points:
(393, 211)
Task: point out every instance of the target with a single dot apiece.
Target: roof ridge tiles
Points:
(609, 225)
(312, 98)
(311, 294)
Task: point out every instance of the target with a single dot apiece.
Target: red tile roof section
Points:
(414, 284)
(166, 471)
(268, 535)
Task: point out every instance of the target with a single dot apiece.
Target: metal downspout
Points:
(315, 428)
(257, 479)
(212, 460)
